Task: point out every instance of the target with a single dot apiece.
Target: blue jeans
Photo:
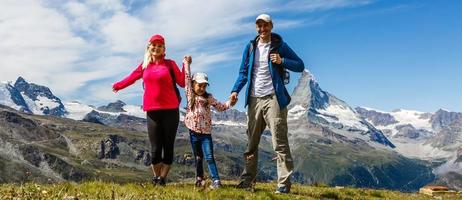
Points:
(202, 145)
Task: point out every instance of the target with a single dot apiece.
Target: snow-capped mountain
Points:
(116, 114)
(231, 117)
(31, 98)
(11, 97)
(417, 134)
(436, 137)
(324, 109)
(113, 107)
(443, 118)
(392, 122)
(331, 142)
(77, 110)
(39, 99)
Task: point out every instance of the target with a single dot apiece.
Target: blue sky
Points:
(388, 55)
(374, 53)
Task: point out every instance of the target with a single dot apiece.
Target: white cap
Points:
(264, 17)
(200, 77)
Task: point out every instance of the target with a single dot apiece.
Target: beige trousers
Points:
(263, 111)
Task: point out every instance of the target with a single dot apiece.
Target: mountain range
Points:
(331, 142)
(434, 137)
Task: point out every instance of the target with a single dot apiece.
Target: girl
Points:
(199, 122)
(161, 100)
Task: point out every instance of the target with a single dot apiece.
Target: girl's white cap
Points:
(200, 77)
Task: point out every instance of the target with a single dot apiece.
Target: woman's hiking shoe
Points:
(216, 184)
(155, 180)
(161, 181)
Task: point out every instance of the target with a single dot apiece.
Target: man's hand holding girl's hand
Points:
(233, 98)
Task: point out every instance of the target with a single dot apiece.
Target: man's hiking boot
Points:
(245, 185)
(283, 190)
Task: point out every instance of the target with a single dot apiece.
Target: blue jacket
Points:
(290, 61)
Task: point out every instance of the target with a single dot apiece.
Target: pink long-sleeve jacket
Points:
(199, 117)
(159, 93)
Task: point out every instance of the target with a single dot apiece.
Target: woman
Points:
(161, 101)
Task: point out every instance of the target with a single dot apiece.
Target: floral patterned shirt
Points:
(199, 118)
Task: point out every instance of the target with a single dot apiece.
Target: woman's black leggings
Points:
(162, 127)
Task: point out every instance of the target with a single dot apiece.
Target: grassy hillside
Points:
(358, 165)
(102, 190)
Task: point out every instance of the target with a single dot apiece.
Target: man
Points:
(263, 65)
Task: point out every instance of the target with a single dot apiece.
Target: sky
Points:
(379, 54)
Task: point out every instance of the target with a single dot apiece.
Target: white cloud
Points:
(124, 33)
(189, 22)
(36, 42)
(206, 61)
(319, 5)
(83, 17)
(79, 48)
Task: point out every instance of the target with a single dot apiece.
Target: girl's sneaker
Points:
(216, 184)
(200, 182)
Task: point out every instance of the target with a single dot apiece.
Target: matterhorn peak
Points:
(307, 74)
(308, 93)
